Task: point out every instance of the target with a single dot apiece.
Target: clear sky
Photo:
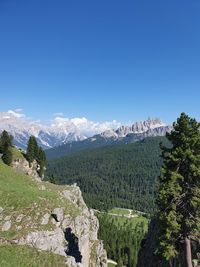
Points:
(101, 59)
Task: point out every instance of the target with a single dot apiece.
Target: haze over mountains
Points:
(77, 133)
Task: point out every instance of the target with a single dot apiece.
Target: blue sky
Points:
(104, 60)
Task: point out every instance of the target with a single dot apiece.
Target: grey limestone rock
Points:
(19, 218)
(53, 241)
(45, 219)
(101, 256)
(58, 213)
(7, 218)
(6, 226)
(83, 226)
(22, 165)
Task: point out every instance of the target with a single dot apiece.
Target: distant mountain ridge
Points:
(65, 136)
(123, 135)
(136, 128)
(60, 130)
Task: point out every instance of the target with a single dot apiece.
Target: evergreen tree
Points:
(115, 176)
(35, 148)
(53, 179)
(7, 156)
(32, 150)
(5, 141)
(5, 147)
(179, 191)
(121, 237)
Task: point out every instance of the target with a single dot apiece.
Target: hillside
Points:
(42, 222)
(122, 176)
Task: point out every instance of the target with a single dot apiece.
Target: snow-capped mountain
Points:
(60, 131)
(123, 135)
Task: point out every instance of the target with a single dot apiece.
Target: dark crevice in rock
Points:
(73, 248)
(55, 217)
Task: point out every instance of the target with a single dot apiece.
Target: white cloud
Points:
(59, 124)
(83, 125)
(16, 114)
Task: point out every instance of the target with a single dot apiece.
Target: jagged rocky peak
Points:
(63, 130)
(140, 127)
(109, 134)
(123, 131)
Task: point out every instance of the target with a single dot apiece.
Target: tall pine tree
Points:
(179, 192)
(5, 147)
(7, 156)
(32, 150)
(5, 141)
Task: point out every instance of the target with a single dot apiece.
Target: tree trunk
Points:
(188, 253)
(171, 263)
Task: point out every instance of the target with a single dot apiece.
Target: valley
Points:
(119, 183)
(122, 234)
(100, 133)
(122, 176)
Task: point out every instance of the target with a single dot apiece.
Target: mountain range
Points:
(57, 132)
(110, 137)
(65, 136)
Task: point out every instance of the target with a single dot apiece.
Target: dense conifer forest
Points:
(122, 176)
(122, 238)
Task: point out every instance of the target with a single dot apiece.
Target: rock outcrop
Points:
(22, 165)
(58, 221)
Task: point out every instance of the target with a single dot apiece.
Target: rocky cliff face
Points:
(140, 127)
(83, 228)
(56, 220)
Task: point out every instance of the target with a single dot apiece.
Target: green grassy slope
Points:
(18, 191)
(22, 256)
(22, 195)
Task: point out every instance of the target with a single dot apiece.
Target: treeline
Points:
(121, 240)
(118, 176)
(34, 152)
